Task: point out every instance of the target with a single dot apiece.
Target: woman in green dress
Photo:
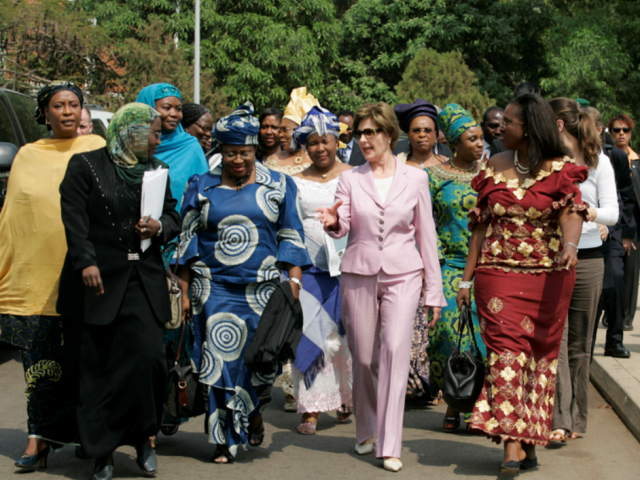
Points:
(453, 198)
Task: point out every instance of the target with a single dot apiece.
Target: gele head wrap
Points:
(406, 112)
(319, 120)
(300, 103)
(46, 93)
(240, 127)
(454, 120)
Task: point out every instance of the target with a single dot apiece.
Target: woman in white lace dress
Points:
(322, 369)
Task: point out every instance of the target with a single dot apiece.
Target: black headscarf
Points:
(45, 94)
(191, 113)
(406, 112)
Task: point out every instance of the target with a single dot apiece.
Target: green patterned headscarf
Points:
(128, 141)
(453, 121)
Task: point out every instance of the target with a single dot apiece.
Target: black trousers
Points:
(614, 292)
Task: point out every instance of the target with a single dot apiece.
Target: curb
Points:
(617, 386)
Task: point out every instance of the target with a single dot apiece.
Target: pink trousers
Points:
(378, 312)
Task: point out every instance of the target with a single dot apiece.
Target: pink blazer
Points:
(383, 236)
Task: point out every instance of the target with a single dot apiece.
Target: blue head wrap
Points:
(318, 120)
(178, 149)
(454, 120)
(240, 127)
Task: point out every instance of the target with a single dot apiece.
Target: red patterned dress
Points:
(522, 296)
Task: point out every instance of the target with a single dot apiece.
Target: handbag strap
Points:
(179, 349)
(466, 320)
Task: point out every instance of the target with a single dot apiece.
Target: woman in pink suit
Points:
(385, 207)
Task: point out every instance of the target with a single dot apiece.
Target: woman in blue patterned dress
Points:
(240, 228)
(453, 198)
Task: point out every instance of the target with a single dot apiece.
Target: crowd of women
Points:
(380, 257)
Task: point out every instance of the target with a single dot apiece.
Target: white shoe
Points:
(392, 464)
(364, 449)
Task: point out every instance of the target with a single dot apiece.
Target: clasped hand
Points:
(148, 229)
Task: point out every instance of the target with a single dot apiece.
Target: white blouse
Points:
(383, 185)
(599, 191)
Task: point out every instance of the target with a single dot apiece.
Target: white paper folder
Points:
(154, 186)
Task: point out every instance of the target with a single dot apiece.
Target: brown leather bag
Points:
(175, 296)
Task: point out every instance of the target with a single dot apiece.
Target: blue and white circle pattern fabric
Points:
(205, 203)
(210, 367)
(290, 235)
(268, 270)
(237, 240)
(258, 295)
(269, 200)
(199, 292)
(201, 268)
(226, 335)
(262, 177)
(218, 425)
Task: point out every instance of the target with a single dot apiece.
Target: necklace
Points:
(519, 168)
(239, 181)
(324, 175)
(464, 170)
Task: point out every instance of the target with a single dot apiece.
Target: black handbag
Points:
(464, 371)
(186, 398)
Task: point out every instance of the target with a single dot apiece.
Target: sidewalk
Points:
(618, 379)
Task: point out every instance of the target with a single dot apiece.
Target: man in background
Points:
(85, 127)
(346, 117)
(492, 127)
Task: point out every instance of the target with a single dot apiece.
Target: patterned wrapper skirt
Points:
(522, 318)
(50, 398)
(226, 317)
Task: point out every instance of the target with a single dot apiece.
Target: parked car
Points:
(100, 119)
(18, 127)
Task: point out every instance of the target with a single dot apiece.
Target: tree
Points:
(442, 78)
(154, 58)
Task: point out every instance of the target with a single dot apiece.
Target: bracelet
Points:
(569, 243)
(159, 231)
(296, 281)
(462, 284)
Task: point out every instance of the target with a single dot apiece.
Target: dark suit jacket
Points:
(496, 147)
(89, 215)
(626, 226)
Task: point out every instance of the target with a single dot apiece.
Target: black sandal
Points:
(510, 468)
(222, 453)
(256, 437)
(451, 424)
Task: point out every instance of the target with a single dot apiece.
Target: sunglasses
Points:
(618, 130)
(418, 131)
(367, 132)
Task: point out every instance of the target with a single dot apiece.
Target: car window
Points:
(98, 127)
(25, 109)
(7, 134)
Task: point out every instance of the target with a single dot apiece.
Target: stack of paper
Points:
(154, 186)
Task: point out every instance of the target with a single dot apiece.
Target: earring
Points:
(526, 134)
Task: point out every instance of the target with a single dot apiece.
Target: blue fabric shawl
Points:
(178, 149)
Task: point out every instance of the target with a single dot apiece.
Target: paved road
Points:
(608, 451)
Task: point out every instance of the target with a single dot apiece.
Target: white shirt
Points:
(346, 152)
(383, 185)
(599, 191)
(486, 149)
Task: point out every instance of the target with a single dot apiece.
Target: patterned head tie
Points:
(164, 90)
(46, 93)
(301, 102)
(454, 120)
(319, 120)
(406, 112)
(128, 140)
(240, 127)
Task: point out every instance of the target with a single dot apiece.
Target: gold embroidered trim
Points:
(441, 174)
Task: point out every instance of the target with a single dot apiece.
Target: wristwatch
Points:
(296, 281)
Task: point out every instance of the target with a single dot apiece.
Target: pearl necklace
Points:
(324, 175)
(519, 168)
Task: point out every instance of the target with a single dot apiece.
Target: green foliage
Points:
(442, 78)
(153, 58)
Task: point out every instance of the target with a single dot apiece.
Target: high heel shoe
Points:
(32, 461)
(392, 464)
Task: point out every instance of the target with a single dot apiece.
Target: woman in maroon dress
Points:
(523, 251)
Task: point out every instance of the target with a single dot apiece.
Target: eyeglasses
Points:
(418, 131)
(204, 129)
(367, 132)
(509, 122)
(618, 130)
(233, 155)
(285, 129)
(496, 125)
